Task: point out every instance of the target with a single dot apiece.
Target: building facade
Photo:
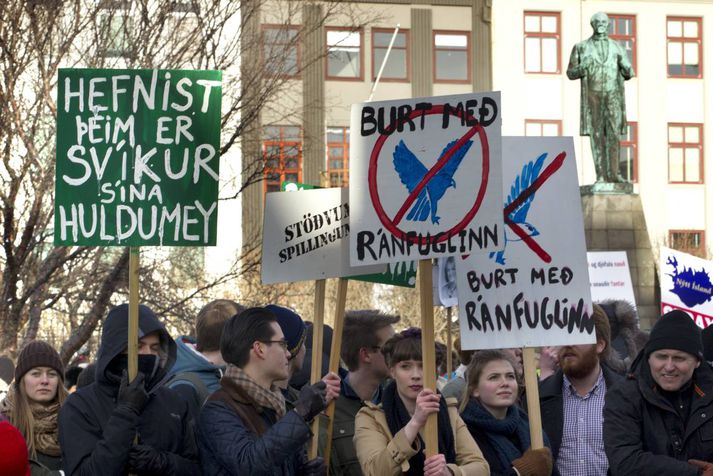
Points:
(521, 48)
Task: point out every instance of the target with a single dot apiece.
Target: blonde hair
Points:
(22, 417)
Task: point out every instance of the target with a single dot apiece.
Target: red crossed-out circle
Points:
(391, 224)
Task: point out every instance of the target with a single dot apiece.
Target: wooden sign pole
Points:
(533, 397)
(428, 349)
(334, 358)
(317, 340)
(449, 344)
(133, 330)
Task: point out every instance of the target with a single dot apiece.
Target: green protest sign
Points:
(137, 157)
(286, 186)
(401, 274)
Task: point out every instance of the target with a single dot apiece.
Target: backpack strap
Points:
(247, 413)
(194, 380)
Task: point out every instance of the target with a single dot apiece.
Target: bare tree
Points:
(72, 287)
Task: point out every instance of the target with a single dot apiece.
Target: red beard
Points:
(583, 362)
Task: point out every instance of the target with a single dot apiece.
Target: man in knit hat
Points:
(660, 419)
(572, 399)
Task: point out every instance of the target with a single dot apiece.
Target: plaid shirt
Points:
(582, 449)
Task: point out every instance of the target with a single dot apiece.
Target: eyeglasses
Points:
(282, 343)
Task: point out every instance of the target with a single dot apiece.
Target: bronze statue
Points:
(603, 66)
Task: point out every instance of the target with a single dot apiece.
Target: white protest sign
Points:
(609, 276)
(305, 236)
(425, 178)
(536, 291)
(686, 285)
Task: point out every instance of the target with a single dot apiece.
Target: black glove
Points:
(132, 395)
(314, 467)
(145, 460)
(312, 400)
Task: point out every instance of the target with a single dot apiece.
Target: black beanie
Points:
(676, 330)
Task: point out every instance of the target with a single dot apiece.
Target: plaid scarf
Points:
(239, 384)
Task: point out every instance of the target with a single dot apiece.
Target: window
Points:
(542, 42)
(538, 127)
(688, 241)
(282, 153)
(451, 52)
(623, 29)
(338, 156)
(683, 38)
(344, 54)
(281, 50)
(685, 153)
(116, 25)
(397, 66)
(628, 152)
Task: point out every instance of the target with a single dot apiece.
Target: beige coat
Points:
(382, 454)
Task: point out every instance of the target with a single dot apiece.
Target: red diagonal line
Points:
(553, 167)
(429, 175)
(529, 241)
(547, 173)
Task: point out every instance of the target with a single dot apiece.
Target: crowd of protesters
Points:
(235, 399)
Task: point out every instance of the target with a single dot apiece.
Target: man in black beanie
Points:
(660, 419)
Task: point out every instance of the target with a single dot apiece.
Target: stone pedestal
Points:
(614, 221)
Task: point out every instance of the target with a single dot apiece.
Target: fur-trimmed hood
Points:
(627, 339)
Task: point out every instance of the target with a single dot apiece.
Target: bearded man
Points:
(572, 401)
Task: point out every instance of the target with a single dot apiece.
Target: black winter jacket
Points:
(96, 436)
(551, 405)
(644, 435)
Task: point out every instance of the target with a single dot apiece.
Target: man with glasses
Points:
(367, 331)
(244, 427)
(294, 329)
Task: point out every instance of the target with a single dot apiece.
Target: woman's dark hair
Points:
(242, 330)
(404, 345)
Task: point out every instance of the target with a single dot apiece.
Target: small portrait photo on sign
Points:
(447, 284)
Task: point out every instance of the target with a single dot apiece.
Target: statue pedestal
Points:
(614, 221)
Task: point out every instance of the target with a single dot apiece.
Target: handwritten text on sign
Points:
(137, 157)
(425, 178)
(535, 291)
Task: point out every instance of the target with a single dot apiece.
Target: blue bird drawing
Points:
(527, 177)
(411, 171)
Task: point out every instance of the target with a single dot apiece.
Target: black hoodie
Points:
(95, 435)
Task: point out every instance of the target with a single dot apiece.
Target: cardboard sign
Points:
(137, 157)
(535, 292)
(686, 285)
(305, 236)
(425, 178)
(609, 276)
